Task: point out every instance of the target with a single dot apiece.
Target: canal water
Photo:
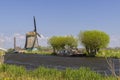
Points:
(32, 61)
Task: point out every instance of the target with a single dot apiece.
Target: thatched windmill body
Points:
(32, 38)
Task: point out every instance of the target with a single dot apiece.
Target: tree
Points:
(93, 41)
(71, 41)
(59, 42)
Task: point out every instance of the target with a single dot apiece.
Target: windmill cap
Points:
(31, 33)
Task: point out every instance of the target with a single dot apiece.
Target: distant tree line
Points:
(92, 40)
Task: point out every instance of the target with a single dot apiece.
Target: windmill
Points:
(32, 38)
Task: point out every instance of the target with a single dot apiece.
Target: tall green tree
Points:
(59, 42)
(93, 40)
(71, 41)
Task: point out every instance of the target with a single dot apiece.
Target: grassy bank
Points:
(109, 53)
(12, 72)
(103, 53)
(38, 52)
(115, 53)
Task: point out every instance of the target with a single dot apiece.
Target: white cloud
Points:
(114, 41)
(19, 36)
(6, 41)
(2, 42)
(43, 40)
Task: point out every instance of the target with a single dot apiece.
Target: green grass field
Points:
(12, 72)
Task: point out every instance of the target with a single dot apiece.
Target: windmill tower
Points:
(32, 38)
(14, 43)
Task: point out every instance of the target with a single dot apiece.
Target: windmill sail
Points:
(35, 29)
(34, 24)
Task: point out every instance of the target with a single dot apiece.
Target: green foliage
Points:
(39, 52)
(109, 53)
(59, 42)
(93, 41)
(12, 72)
(40, 48)
(2, 52)
(71, 41)
(11, 50)
(81, 74)
(46, 73)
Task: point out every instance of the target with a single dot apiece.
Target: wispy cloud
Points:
(114, 41)
(3, 40)
(43, 40)
(19, 36)
(7, 41)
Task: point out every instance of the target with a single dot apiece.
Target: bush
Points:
(93, 41)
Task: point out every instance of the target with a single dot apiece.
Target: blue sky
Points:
(58, 17)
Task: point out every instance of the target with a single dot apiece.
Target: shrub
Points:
(93, 41)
